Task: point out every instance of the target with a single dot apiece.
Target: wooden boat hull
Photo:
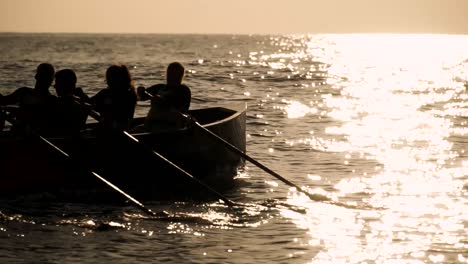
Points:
(31, 166)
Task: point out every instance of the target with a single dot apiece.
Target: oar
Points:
(155, 154)
(245, 156)
(313, 197)
(102, 179)
(234, 149)
(150, 95)
(199, 99)
(252, 160)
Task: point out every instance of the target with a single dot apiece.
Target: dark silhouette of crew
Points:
(116, 103)
(69, 115)
(168, 101)
(35, 105)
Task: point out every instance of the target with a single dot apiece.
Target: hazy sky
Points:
(235, 16)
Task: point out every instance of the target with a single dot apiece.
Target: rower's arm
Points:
(142, 94)
(13, 98)
(78, 92)
(145, 94)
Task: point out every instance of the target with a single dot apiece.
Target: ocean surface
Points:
(375, 123)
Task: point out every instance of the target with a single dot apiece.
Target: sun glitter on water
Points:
(401, 102)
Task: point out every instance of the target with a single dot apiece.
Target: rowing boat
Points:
(28, 166)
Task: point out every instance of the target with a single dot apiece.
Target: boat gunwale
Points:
(237, 109)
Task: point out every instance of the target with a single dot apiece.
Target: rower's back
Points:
(117, 102)
(169, 101)
(69, 115)
(35, 105)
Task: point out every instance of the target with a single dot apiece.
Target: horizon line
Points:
(239, 34)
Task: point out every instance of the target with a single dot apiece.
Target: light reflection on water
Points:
(374, 121)
(399, 96)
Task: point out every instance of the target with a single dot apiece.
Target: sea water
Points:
(375, 126)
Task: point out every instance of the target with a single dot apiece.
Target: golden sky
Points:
(230, 16)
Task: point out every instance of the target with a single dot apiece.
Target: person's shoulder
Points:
(158, 85)
(101, 97)
(180, 87)
(24, 90)
(184, 88)
(103, 93)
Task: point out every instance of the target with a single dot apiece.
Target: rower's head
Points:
(175, 73)
(118, 77)
(65, 82)
(44, 75)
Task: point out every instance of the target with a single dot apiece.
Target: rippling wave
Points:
(374, 126)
